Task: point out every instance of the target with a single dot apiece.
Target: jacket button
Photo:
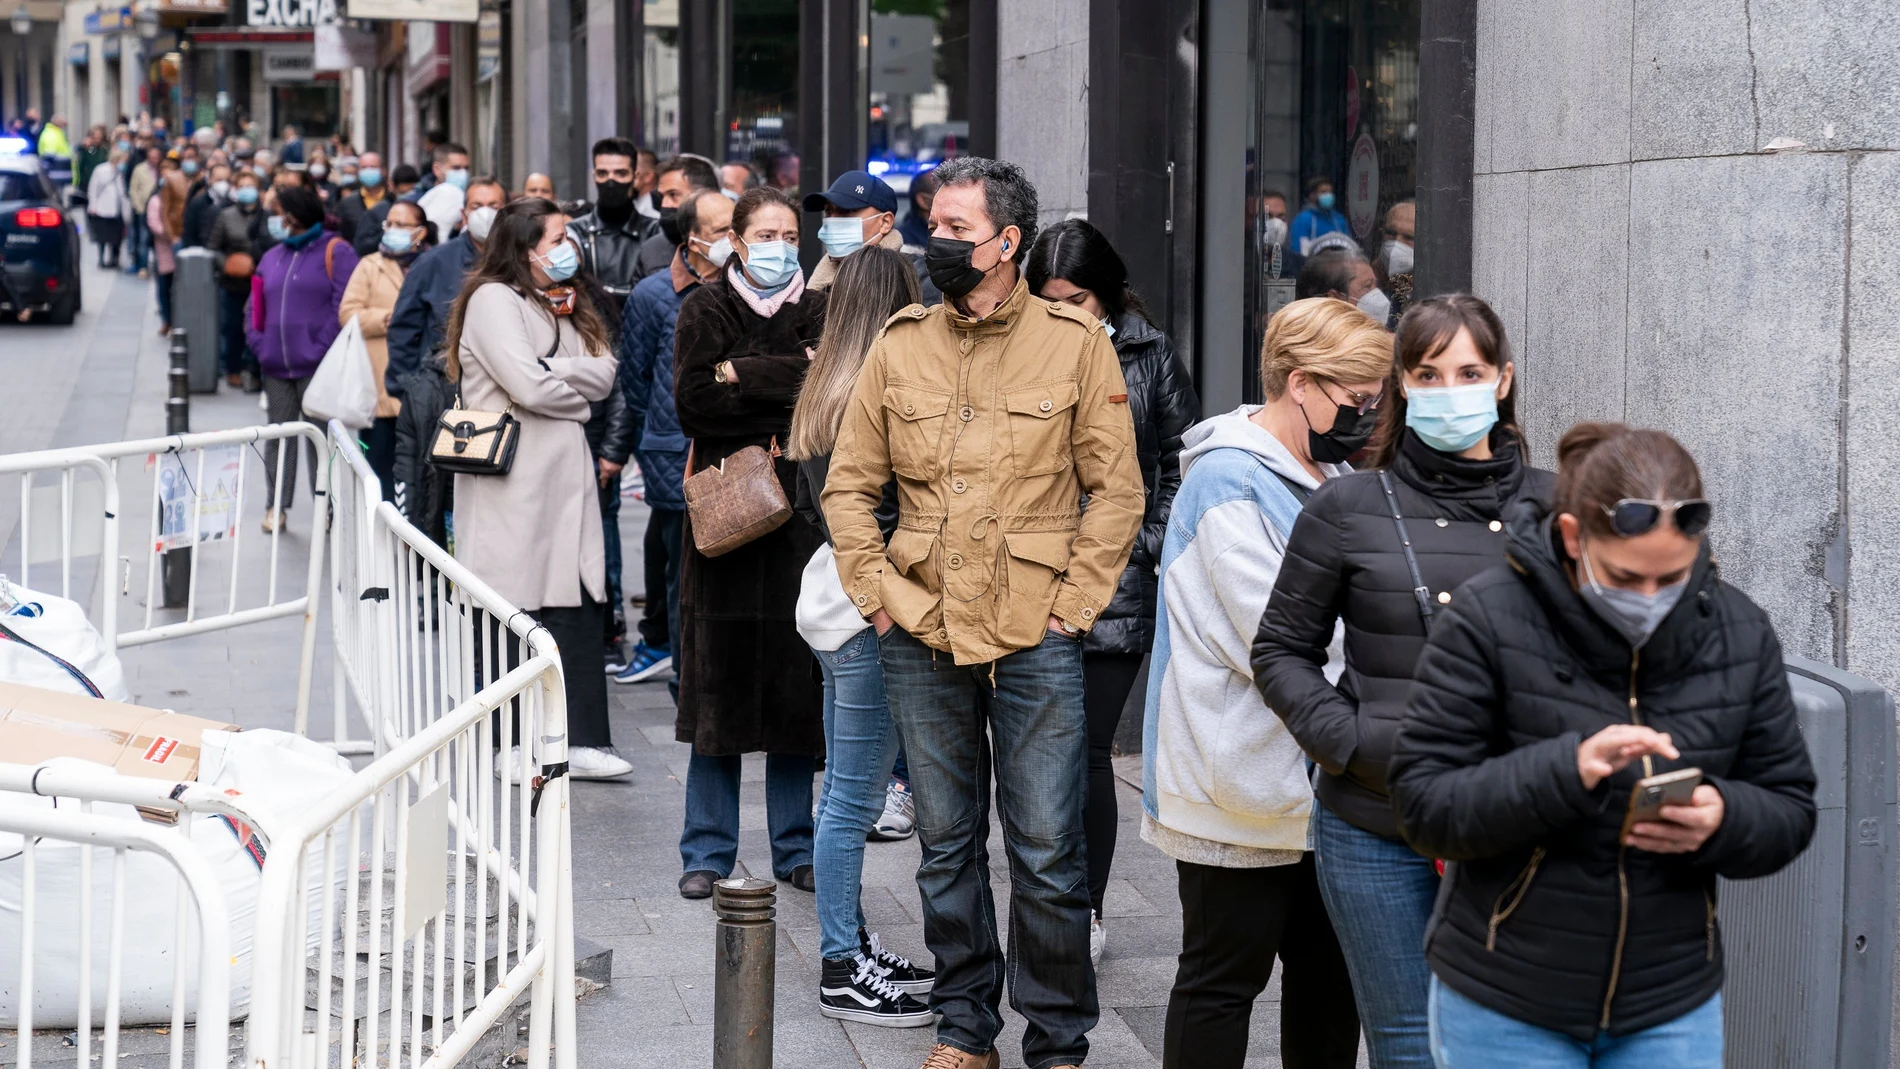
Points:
(959, 486)
(1496, 526)
(909, 409)
(1046, 406)
(862, 599)
(1442, 522)
(956, 560)
(1444, 597)
(966, 413)
(1088, 614)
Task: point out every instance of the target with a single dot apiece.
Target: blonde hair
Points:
(1324, 337)
(873, 284)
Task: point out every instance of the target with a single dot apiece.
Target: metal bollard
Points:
(178, 404)
(175, 564)
(744, 973)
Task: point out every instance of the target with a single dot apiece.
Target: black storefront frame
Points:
(1146, 60)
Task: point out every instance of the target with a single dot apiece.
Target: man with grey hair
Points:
(995, 414)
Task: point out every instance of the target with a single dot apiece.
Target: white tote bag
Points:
(343, 388)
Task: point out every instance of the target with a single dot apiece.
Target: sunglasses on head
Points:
(1634, 516)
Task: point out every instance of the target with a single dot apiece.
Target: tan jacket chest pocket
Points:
(915, 424)
(1040, 423)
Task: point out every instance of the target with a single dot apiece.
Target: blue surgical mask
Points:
(772, 265)
(189, 166)
(842, 236)
(1451, 419)
(246, 194)
(1634, 614)
(1325, 201)
(561, 262)
(457, 178)
(1109, 327)
(279, 230)
(398, 241)
(371, 176)
(123, 146)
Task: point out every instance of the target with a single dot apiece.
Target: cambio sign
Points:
(291, 13)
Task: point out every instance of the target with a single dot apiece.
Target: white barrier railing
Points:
(463, 820)
(196, 504)
(466, 707)
(43, 829)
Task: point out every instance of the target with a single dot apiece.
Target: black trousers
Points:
(1106, 680)
(1234, 923)
(576, 630)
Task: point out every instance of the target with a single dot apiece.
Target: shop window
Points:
(1335, 101)
(920, 88)
(762, 122)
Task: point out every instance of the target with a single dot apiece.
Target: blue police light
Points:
(15, 146)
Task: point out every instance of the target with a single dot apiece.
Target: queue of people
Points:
(923, 513)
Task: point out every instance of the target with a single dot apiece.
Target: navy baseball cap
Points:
(852, 191)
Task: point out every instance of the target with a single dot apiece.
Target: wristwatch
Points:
(1067, 627)
(719, 371)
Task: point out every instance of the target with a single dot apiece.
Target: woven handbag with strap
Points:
(472, 442)
(735, 501)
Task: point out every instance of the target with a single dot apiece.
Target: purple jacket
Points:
(294, 300)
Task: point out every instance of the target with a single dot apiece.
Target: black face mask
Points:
(614, 199)
(1351, 431)
(948, 261)
(670, 226)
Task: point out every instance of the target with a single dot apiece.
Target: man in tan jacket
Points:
(998, 413)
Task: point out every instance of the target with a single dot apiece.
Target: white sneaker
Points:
(594, 762)
(1097, 936)
(508, 767)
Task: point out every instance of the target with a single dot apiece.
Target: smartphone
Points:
(1651, 793)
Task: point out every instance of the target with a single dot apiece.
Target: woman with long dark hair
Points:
(741, 349)
(861, 980)
(1073, 263)
(1580, 930)
(1382, 551)
(520, 339)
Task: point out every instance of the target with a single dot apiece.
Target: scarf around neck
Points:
(766, 305)
(560, 300)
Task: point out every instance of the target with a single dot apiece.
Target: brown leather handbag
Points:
(735, 501)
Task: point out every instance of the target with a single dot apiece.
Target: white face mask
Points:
(1273, 232)
(1398, 258)
(1377, 305)
(480, 222)
(720, 252)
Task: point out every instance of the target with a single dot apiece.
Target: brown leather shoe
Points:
(945, 1056)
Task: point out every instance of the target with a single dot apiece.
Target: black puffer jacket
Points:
(1344, 561)
(1162, 401)
(1545, 917)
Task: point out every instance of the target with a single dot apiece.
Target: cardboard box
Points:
(37, 724)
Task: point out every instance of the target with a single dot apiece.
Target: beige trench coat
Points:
(534, 535)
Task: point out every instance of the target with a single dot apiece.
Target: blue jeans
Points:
(860, 744)
(1030, 703)
(710, 841)
(1379, 894)
(1466, 1035)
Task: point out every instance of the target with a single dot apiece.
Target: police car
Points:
(40, 273)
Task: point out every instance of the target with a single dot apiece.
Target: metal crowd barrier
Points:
(402, 919)
(207, 941)
(196, 504)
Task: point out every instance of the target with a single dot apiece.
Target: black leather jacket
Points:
(1163, 404)
(609, 428)
(610, 253)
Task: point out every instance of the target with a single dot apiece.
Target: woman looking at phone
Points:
(1609, 652)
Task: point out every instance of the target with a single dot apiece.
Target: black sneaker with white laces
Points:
(898, 970)
(854, 989)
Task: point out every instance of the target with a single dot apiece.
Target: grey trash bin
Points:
(1810, 950)
(195, 294)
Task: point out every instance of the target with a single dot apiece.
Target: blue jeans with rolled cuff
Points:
(1030, 704)
(860, 746)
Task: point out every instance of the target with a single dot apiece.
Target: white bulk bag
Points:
(344, 387)
(59, 629)
(276, 771)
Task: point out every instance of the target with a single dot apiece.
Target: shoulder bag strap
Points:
(1419, 589)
